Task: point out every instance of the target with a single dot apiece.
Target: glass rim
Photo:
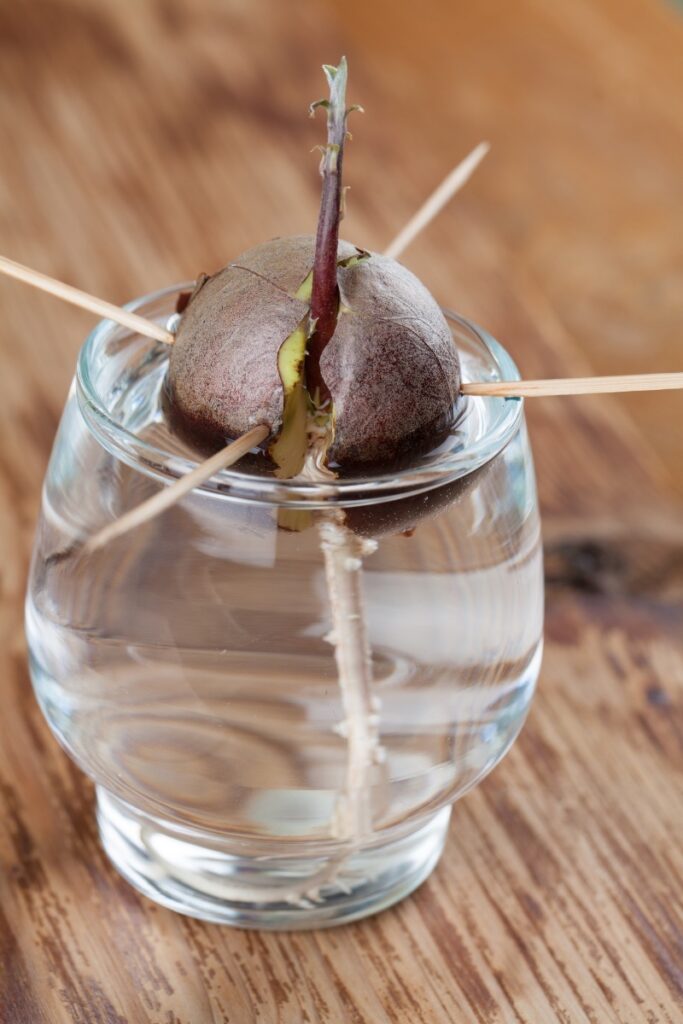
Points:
(238, 485)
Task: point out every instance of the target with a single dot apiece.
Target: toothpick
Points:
(76, 297)
(525, 388)
(437, 200)
(168, 496)
(576, 385)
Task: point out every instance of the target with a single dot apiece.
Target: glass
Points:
(246, 771)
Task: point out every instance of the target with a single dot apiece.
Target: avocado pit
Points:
(391, 367)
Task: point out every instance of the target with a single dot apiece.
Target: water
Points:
(187, 667)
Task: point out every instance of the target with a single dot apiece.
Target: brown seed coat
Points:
(391, 365)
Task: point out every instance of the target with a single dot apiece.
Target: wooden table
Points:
(144, 142)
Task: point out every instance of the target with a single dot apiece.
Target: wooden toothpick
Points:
(576, 385)
(76, 297)
(168, 496)
(437, 200)
(524, 388)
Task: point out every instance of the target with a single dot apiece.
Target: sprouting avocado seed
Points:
(335, 349)
(391, 366)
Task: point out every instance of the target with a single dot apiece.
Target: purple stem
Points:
(325, 294)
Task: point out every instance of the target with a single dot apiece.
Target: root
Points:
(343, 552)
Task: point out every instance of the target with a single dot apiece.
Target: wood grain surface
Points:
(145, 141)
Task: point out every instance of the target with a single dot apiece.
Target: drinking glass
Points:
(280, 687)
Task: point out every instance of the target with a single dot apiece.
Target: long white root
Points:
(343, 552)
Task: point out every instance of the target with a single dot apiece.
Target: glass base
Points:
(215, 879)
